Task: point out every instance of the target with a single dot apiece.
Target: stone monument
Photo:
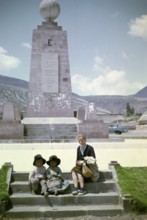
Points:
(10, 126)
(49, 111)
(91, 126)
(142, 122)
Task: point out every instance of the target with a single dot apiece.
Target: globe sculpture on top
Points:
(49, 9)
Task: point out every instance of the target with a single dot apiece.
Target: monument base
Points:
(11, 130)
(50, 128)
(93, 129)
(142, 122)
(141, 127)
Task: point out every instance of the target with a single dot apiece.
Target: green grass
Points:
(133, 181)
(3, 185)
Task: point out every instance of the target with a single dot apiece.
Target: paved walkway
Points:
(128, 216)
(131, 152)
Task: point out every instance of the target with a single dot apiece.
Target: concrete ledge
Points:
(124, 199)
(64, 212)
(50, 120)
(31, 140)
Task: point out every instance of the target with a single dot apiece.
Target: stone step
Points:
(101, 199)
(106, 186)
(23, 176)
(64, 199)
(42, 211)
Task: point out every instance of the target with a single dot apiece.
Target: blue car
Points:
(114, 128)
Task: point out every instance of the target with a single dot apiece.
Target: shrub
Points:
(3, 185)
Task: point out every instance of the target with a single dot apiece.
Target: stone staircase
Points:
(101, 199)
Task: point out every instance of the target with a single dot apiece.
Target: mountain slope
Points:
(13, 82)
(15, 90)
(142, 93)
(117, 104)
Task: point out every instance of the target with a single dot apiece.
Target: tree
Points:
(129, 110)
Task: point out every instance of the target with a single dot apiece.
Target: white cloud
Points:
(107, 82)
(27, 45)
(138, 27)
(2, 50)
(7, 62)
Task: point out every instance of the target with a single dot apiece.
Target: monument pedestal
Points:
(10, 127)
(11, 130)
(91, 127)
(51, 128)
(142, 122)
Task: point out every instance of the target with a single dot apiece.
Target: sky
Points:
(107, 42)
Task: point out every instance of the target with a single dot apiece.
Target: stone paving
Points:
(129, 216)
(130, 153)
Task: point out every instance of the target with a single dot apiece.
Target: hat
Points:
(55, 158)
(38, 156)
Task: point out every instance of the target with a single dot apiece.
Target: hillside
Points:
(117, 104)
(16, 90)
(13, 82)
(12, 89)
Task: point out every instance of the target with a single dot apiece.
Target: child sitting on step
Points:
(55, 182)
(37, 180)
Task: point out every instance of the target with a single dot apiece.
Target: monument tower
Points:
(50, 83)
(50, 95)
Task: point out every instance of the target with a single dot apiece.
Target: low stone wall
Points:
(124, 199)
(11, 130)
(51, 132)
(93, 129)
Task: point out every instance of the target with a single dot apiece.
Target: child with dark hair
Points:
(37, 176)
(55, 181)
